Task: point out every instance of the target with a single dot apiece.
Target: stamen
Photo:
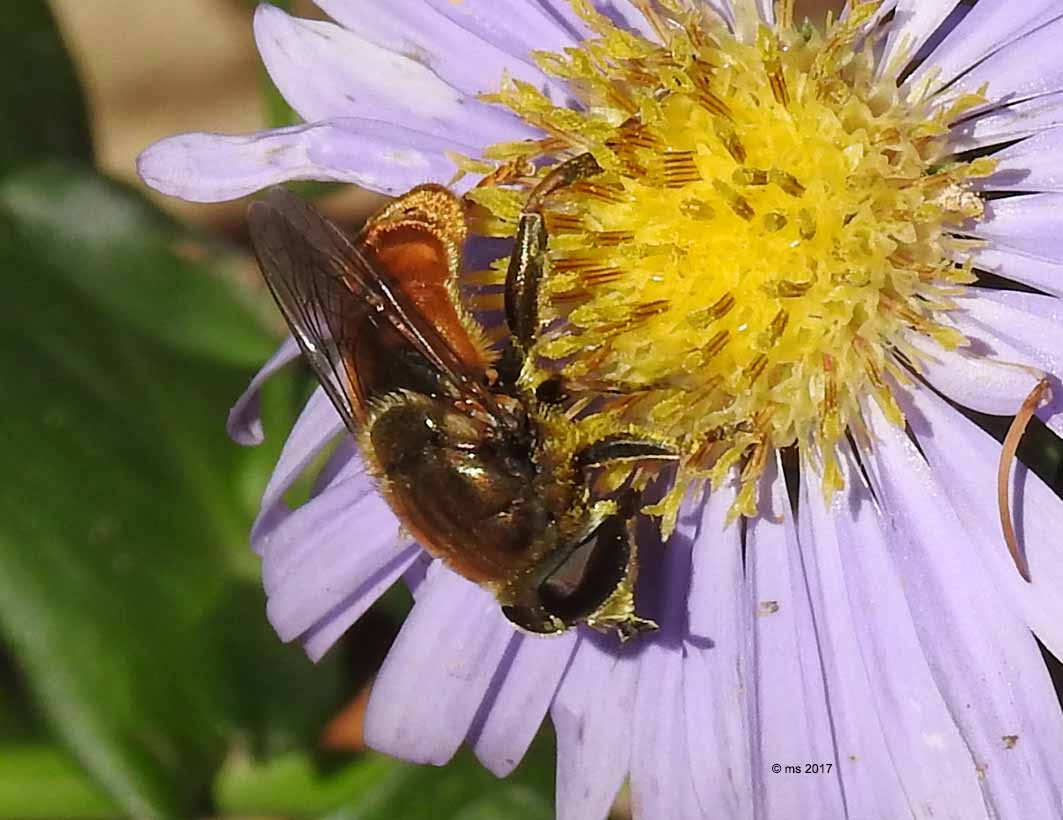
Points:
(739, 204)
(726, 133)
(763, 331)
(1033, 402)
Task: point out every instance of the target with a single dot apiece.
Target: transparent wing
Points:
(327, 290)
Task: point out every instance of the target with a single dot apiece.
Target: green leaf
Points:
(124, 570)
(137, 265)
(374, 787)
(43, 782)
(44, 114)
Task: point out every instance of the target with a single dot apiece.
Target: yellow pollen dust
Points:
(772, 224)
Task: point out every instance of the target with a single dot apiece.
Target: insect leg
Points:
(528, 261)
(607, 451)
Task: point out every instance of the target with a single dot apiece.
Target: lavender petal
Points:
(518, 698)
(989, 26)
(1033, 164)
(966, 459)
(974, 379)
(325, 72)
(789, 716)
(898, 749)
(1039, 273)
(914, 23)
(245, 418)
(434, 678)
(379, 156)
(1006, 123)
(1029, 66)
(621, 12)
(591, 714)
(720, 539)
(324, 634)
(460, 57)
(316, 426)
(713, 657)
(983, 658)
(1031, 224)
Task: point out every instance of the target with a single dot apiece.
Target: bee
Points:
(476, 467)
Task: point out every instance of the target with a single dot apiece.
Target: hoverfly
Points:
(462, 453)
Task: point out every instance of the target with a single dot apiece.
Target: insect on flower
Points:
(489, 476)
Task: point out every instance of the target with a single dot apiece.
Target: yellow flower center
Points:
(771, 228)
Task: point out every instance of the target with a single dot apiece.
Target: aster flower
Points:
(788, 252)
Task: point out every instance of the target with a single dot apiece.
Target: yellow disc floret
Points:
(771, 226)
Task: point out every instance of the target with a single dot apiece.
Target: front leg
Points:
(528, 262)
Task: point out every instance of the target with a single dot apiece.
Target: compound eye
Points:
(578, 588)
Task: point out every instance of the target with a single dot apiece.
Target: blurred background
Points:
(138, 674)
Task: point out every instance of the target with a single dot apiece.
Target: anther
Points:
(611, 238)
(678, 169)
(774, 221)
(696, 209)
(744, 175)
(756, 368)
(726, 133)
(788, 182)
(717, 310)
(717, 343)
(739, 204)
(806, 224)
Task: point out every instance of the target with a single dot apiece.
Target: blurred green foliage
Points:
(138, 675)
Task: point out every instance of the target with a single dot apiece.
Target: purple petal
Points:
(1030, 321)
(1008, 122)
(914, 23)
(435, 676)
(1034, 164)
(663, 772)
(321, 637)
(375, 155)
(966, 459)
(323, 533)
(344, 463)
(714, 665)
(1039, 273)
(989, 26)
(517, 699)
(974, 379)
(591, 714)
(316, 426)
(326, 72)
(720, 542)
(1019, 329)
(985, 661)
(622, 12)
(335, 545)
(460, 57)
(790, 720)
(517, 27)
(1029, 66)
(245, 418)
(898, 749)
(1031, 224)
